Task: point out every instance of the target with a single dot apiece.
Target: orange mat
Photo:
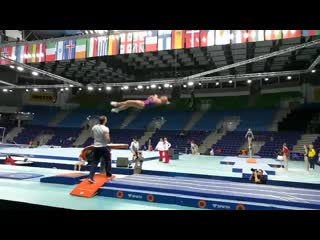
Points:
(87, 189)
(251, 160)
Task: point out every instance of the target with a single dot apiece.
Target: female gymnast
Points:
(151, 101)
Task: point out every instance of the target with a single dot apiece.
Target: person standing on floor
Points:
(306, 160)
(249, 136)
(312, 156)
(134, 147)
(285, 151)
(159, 147)
(101, 135)
(166, 147)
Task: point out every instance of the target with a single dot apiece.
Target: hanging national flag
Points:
(5, 52)
(239, 36)
(81, 45)
(307, 33)
(206, 38)
(138, 42)
(255, 35)
(13, 53)
(32, 53)
(192, 38)
(102, 46)
(51, 49)
(40, 52)
(222, 37)
(151, 41)
(59, 53)
(126, 43)
(178, 39)
(273, 34)
(92, 47)
(20, 53)
(164, 40)
(26, 53)
(113, 45)
(291, 33)
(69, 49)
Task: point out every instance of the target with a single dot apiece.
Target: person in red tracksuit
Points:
(159, 147)
(285, 152)
(166, 147)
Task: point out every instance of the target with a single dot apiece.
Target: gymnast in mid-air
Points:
(151, 101)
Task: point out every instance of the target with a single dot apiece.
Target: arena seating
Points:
(258, 120)
(28, 133)
(275, 140)
(299, 118)
(63, 136)
(42, 114)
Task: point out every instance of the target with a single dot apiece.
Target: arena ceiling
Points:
(180, 63)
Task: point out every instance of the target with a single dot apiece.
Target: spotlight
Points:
(11, 66)
(289, 77)
(35, 73)
(217, 83)
(66, 89)
(80, 89)
(266, 79)
(5, 90)
(90, 88)
(190, 83)
(153, 86)
(249, 81)
(140, 87)
(10, 90)
(35, 89)
(171, 86)
(86, 32)
(199, 83)
(125, 87)
(135, 88)
(61, 89)
(99, 89)
(230, 81)
(159, 87)
(44, 90)
(108, 88)
(27, 90)
(70, 85)
(20, 69)
(313, 71)
(147, 87)
(166, 85)
(184, 85)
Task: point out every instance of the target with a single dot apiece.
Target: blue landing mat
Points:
(205, 188)
(67, 178)
(19, 176)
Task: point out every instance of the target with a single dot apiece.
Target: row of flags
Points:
(139, 42)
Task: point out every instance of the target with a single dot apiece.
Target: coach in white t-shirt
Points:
(101, 137)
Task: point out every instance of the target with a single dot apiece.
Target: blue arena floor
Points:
(181, 184)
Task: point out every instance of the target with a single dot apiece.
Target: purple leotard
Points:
(149, 102)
